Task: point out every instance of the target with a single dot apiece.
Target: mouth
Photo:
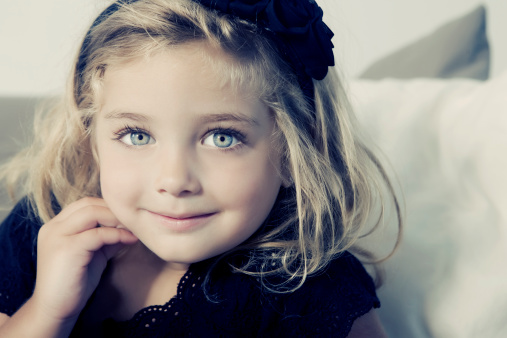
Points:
(183, 222)
(183, 216)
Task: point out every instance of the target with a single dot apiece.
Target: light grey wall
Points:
(38, 39)
(369, 29)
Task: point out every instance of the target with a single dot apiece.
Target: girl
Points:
(203, 177)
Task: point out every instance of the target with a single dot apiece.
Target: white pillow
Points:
(447, 142)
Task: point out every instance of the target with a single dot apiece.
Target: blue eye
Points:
(221, 140)
(133, 137)
(139, 139)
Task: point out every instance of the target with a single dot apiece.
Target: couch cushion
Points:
(458, 49)
(16, 117)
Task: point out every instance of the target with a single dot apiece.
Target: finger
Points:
(86, 218)
(111, 250)
(98, 238)
(71, 208)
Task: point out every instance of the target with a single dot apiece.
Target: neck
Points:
(135, 279)
(139, 257)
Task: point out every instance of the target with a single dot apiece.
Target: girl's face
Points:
(187, 165)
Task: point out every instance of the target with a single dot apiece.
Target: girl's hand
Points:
(73, 250)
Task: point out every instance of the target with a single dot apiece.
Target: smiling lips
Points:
(183, 223)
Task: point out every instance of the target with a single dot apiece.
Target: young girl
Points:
(203, 177)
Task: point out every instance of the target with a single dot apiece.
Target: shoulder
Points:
(343, 281)
(18, 240)
(348, 277)
(21, 225)
(329, 302)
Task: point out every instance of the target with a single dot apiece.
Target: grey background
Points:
(38, 39)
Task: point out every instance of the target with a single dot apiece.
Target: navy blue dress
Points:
(237, 306)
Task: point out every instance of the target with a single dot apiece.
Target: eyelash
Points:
(129, 130)
(219, 130)
(229, 131)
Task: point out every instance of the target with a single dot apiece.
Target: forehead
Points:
(207, 64)
(189, 79)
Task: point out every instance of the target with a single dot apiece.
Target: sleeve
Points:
(18, 257)
(328, 303)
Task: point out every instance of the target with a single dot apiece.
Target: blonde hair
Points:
(333, 180)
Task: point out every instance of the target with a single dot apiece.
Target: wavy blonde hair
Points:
(333, 180)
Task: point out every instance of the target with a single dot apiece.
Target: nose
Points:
(176, 173)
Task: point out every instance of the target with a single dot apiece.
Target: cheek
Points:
(118, 177)
(250, 185)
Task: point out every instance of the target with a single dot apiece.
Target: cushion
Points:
(458, 49)
(447, 142)
(16, 117)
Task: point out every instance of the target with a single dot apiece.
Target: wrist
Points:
(32, 320)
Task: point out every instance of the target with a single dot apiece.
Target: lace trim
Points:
(150, 319)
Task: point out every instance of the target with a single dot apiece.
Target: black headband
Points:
(296, 26)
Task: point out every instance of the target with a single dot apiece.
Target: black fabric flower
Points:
(297, 24)
(245, 9)
(248, 9)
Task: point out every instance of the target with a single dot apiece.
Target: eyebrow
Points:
(207, 118)
(234, 117)
(117, 115)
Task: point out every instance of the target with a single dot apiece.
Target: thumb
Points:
(126, 238)
(111, 250)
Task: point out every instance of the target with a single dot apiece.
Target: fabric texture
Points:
(18, 247)
(458, 49)
(326, 305)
